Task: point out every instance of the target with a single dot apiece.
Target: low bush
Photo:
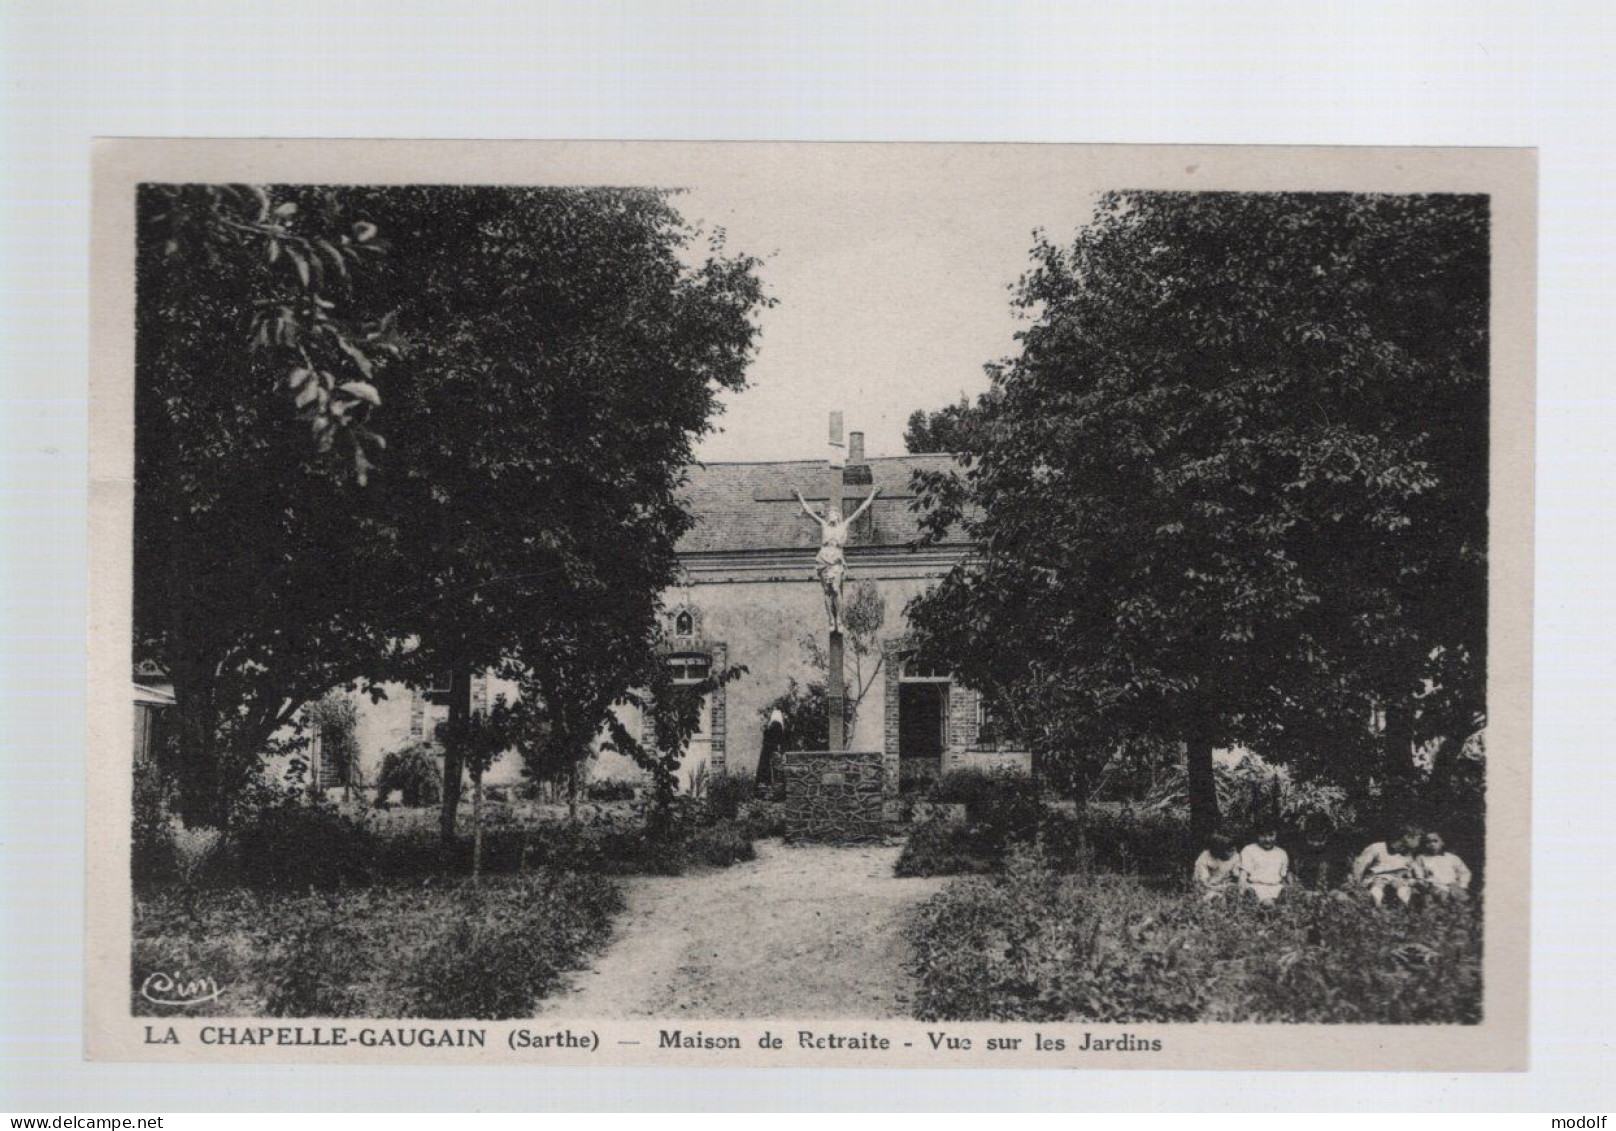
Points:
(302, 845)
(321, 969)
(1008, 805)
(450, 950)
(605, 848)
(726, 793)
(610, 790)
(1157, 846)
(509, 947)
(414, 773)
(764, 819)
(292, 844)
(1002, 809)
(1038, 944)
(945, 848)
(175, 946)
(721, 845)
(154, 857)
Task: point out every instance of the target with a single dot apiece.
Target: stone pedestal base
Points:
(835, 796)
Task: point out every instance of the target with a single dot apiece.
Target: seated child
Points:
(1439, 871)
(1217, 868)
(1264, 866)
(1314, 866)
(1386, 864)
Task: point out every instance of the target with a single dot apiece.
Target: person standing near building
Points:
(774, 741)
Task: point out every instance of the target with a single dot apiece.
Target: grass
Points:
(400, 949)
(1035, 943)
(324, 911)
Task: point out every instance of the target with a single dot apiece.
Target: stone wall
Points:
(835, 797)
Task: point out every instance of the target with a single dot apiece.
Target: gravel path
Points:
(803, 931)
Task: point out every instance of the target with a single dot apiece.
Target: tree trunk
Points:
(1397, 755)
(454, 762)
(316, 762)
(476, 825)
(1203, 789)
(572, 793)
(201, 800)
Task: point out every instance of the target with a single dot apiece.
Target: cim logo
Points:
(171, 989)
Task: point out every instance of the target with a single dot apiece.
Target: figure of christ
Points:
(831, 567)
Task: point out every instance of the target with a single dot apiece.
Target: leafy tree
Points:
(862, 618)
(952, 428)
(571, 671)
(580, 340)
(674, 713)
(481, 737)
(253, 408)
(806, 711)
(566, 348)
(1233, 489)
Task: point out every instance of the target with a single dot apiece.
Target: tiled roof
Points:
(750, 506)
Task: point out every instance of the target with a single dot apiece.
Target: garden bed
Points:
(441, 950)
(1035, 944)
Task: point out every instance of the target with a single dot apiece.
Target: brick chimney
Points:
(855, 447)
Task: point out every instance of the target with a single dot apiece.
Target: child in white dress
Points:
(1264, 867)
(1440, 872)
(1217, 869)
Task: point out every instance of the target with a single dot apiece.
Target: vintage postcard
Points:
(951, 606)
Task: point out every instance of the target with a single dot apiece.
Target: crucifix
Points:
(830, 565)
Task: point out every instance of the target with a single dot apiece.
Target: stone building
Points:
(748, 596)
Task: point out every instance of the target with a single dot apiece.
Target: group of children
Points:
(1409, 862)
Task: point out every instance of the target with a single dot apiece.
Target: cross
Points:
(835, 690)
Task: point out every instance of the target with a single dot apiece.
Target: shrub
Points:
(173, 946)
(1001, 809)
(726, 793)
(162, 849)
(1149, 844)
(406, 950)
(764, 819)
(478, 968)
(721, 845)
(1036, 944)
(612, 789)
(568, 847)
(943, 848)
(507, 948)
(298, 845)
(607, 849)
(1008, 804)
(414, 772)
(153, 856)
(917, 775)
(1347, 961)
(700, 778)
(320, 970)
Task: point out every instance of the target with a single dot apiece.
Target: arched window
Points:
(684, 624)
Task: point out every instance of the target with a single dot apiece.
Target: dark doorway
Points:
(922, 730)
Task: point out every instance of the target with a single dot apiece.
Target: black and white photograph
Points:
(914, 605)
